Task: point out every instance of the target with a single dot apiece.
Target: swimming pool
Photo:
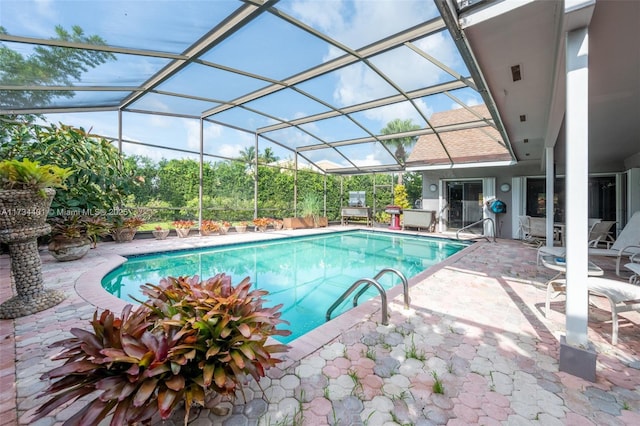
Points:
(306, 274)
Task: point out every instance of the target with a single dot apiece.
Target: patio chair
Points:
(600, 234)
(622, 297)
(529, 230)
(592, 221)
(524, 230)
(627, 244)
(634, 267)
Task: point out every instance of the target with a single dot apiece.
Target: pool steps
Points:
(383, 294)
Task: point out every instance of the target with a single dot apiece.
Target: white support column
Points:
(517, 208)
(633, 191)
(550, 194)
(201, 174)
(255, 180)
(295, 184)
(120, 131)
(488, 193)
(577, 180)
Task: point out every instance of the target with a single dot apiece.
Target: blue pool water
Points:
(305, 274)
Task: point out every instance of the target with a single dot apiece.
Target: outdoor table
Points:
(559, 286)
(559, 264)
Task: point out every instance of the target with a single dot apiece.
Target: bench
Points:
(356, 212)
(421, 219)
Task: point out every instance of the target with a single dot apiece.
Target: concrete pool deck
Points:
(476, 323)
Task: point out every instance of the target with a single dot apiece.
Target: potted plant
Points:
(27, 189)
(309, 208)
(160, 233)
(224, 226)
(73, 235)
(125, 227)
(241, 226)
(208, 227)
(277, 224)
(26, 192)
(261, 223)
(165, 353)
(183, 227)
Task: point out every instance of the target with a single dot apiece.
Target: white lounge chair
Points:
(627, 244)
(600, 234)
(634, 267)
(622, 297)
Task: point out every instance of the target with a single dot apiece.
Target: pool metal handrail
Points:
(370, 282)
(405, 286)
(493, 227)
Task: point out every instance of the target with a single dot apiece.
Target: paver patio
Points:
(476, 324)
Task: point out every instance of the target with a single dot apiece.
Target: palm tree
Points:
(268, 156)
(401, 143)
(248, 154)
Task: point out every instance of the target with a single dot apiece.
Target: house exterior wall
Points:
(507, 223)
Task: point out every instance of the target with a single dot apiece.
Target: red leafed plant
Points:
(183, 224)
(189, 341)
(261, 221)
(209, 226)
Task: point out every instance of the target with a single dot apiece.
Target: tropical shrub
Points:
(189, 341)
(209, 226)
(183, 224)
(310, 205)
(80, 226)
(27, 174)
(125, 221)
(262, 221)
(99, 183)
(400, 197)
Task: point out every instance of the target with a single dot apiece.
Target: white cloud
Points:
(219, 140)
(440, 47)
(368, 160)
(321, 14)
(404, 109)
(230, 150)
(471, 101)
(359, 23)
(210, 132)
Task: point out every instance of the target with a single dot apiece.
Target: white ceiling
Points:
(531, 34)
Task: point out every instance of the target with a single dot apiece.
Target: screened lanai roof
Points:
(314, 80)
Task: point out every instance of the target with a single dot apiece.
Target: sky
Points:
(269, 47)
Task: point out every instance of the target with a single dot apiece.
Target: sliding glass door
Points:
(464, 200)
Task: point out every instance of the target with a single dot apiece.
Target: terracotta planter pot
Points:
(241, 228)
(66, 249)
(183, 232)
(161, 234)
(223, 230)
(305, 222)
(123, 235)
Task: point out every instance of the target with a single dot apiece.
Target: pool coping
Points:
(89, 286)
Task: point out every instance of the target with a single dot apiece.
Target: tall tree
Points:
(248, 154)
(47, 66)
(400, 143)
(268, 156)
